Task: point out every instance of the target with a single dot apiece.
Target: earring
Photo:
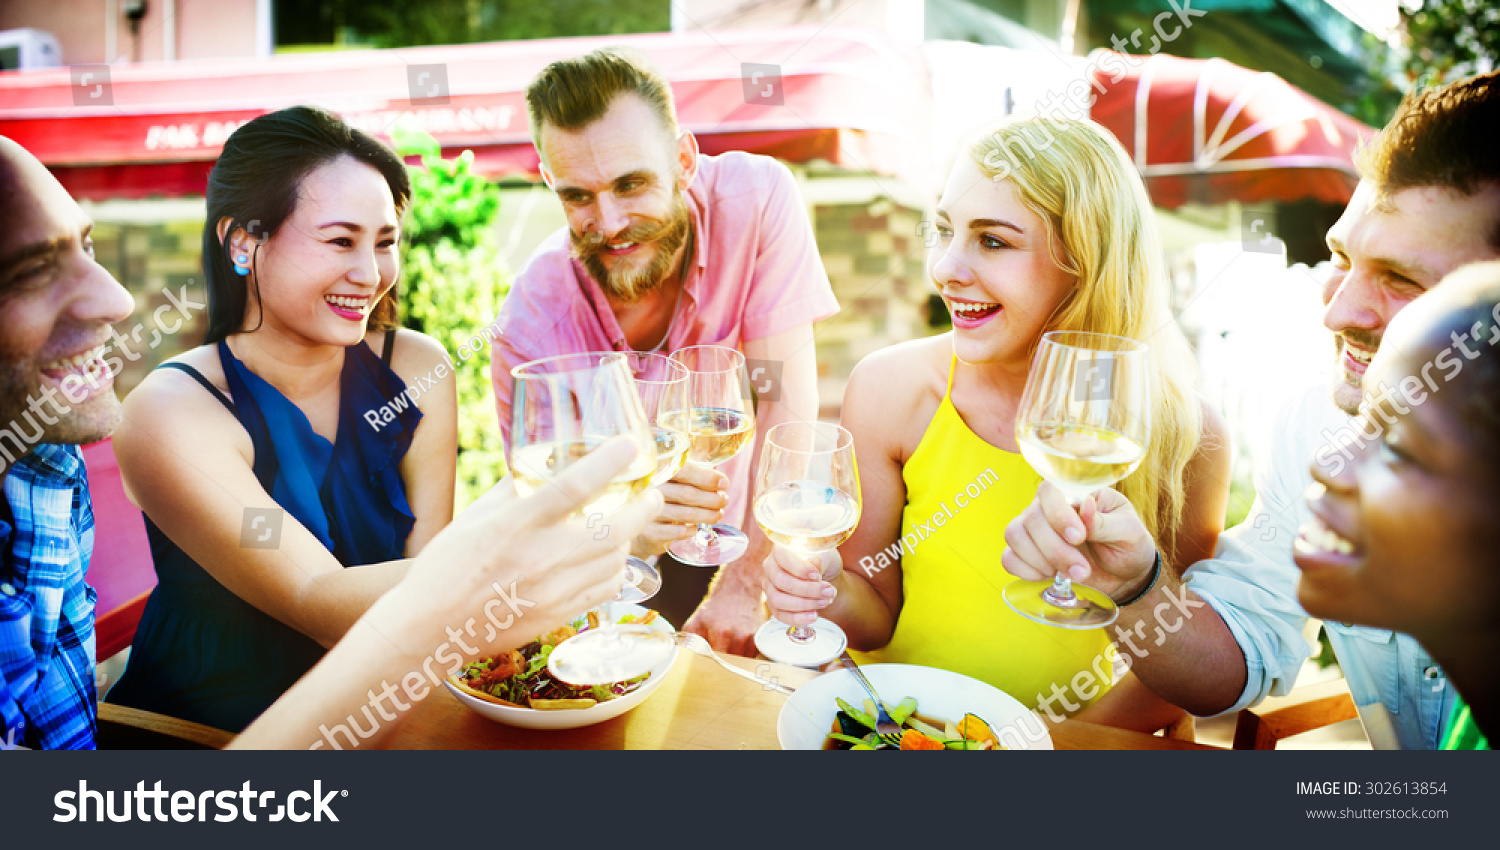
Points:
(242, 265)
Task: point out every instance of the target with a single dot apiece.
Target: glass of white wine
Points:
(1084, 423)
(662, 383)
(807, 499)
(719, 422)
(565, 407)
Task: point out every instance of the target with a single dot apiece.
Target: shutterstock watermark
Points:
(762, 84)
(908, 542)
(193, 806)
(765, 378)
(1412, 391)
(501, 612)
(91, 86)
(1168, 618)
(22, 433)
(427, 84)
(1076, 98)
(261, 528)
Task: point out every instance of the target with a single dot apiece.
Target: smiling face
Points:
(993, 265)
(1404, 534)
(333, 258)
(1386, 255)
(621, 181)
(56, 306)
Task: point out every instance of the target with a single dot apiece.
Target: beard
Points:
(630, 285)
(1348, 389)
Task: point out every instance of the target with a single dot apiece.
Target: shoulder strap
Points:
(198, 376)
(390, 345)
(952, 365)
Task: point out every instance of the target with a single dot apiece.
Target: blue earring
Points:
(242, 265)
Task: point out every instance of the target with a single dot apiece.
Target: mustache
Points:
(1363, 339)
(593, 242)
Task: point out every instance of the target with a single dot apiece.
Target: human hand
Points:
(509, 568)
(796, 589)
(730, 613)
(1101, 542)
(696, 494)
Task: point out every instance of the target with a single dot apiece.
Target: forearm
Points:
(1181, 648)
(861, 612)
(331, 602)
(363, 670)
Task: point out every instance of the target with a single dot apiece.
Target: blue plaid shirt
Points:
(47, 698)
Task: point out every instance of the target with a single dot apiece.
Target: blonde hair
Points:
(571, 94)
(1074, 176)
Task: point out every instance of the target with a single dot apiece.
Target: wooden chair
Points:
(1302, 710)
(122, 728)
(121, 570)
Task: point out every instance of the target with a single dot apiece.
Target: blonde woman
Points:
(1042, 226)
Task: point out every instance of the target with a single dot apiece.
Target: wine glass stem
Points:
(706, 535)
(1061, 591)
(805, 634)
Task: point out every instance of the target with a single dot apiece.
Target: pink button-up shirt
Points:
(754, 273)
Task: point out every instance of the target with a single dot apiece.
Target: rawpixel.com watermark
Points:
(385, 414)
(908, 542)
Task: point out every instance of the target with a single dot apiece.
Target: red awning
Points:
(1209, 131)
(850, 97)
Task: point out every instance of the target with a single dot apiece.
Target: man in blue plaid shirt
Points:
(56, 306)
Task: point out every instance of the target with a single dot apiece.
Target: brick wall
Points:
(876, 260)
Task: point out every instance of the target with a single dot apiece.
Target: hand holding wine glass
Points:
(720, 422)
(1084, 423)
(662, 384)
(808, 500)
(565, 408)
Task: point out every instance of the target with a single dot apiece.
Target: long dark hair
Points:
(256, 183)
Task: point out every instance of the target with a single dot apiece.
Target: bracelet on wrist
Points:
(1155, 574)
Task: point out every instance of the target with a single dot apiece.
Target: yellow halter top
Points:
(961, 492)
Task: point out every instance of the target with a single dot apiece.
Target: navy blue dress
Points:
(203, 654)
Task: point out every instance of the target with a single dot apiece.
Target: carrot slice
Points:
(911, 739)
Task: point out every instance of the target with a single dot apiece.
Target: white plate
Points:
(807, 717)
(530, 718)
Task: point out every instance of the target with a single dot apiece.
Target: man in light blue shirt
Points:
(1428, 202)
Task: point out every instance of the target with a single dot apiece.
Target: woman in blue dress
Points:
(271, 459)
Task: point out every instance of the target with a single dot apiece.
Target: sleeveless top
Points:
(961, 492)
(203, 654)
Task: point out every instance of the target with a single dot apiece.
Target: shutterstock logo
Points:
(189, 806)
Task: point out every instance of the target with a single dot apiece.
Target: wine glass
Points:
(807, 499)
(720, 422)
(1084, 423)
(662, 383)
(564, 408)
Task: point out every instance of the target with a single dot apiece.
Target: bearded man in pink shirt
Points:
(667, 248)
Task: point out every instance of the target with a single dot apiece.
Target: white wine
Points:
(536, 464)
(671, 452)
(716, 433)
(808, 516)
(1079, 459)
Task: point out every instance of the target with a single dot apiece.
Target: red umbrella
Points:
(1208, 131)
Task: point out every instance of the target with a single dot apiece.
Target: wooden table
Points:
(700, 706)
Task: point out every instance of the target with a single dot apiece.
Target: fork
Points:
(699, 644)
(887, 729)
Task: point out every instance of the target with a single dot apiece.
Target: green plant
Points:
(452, 284)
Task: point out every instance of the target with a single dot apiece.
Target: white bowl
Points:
(572, 718)
(807, 717)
